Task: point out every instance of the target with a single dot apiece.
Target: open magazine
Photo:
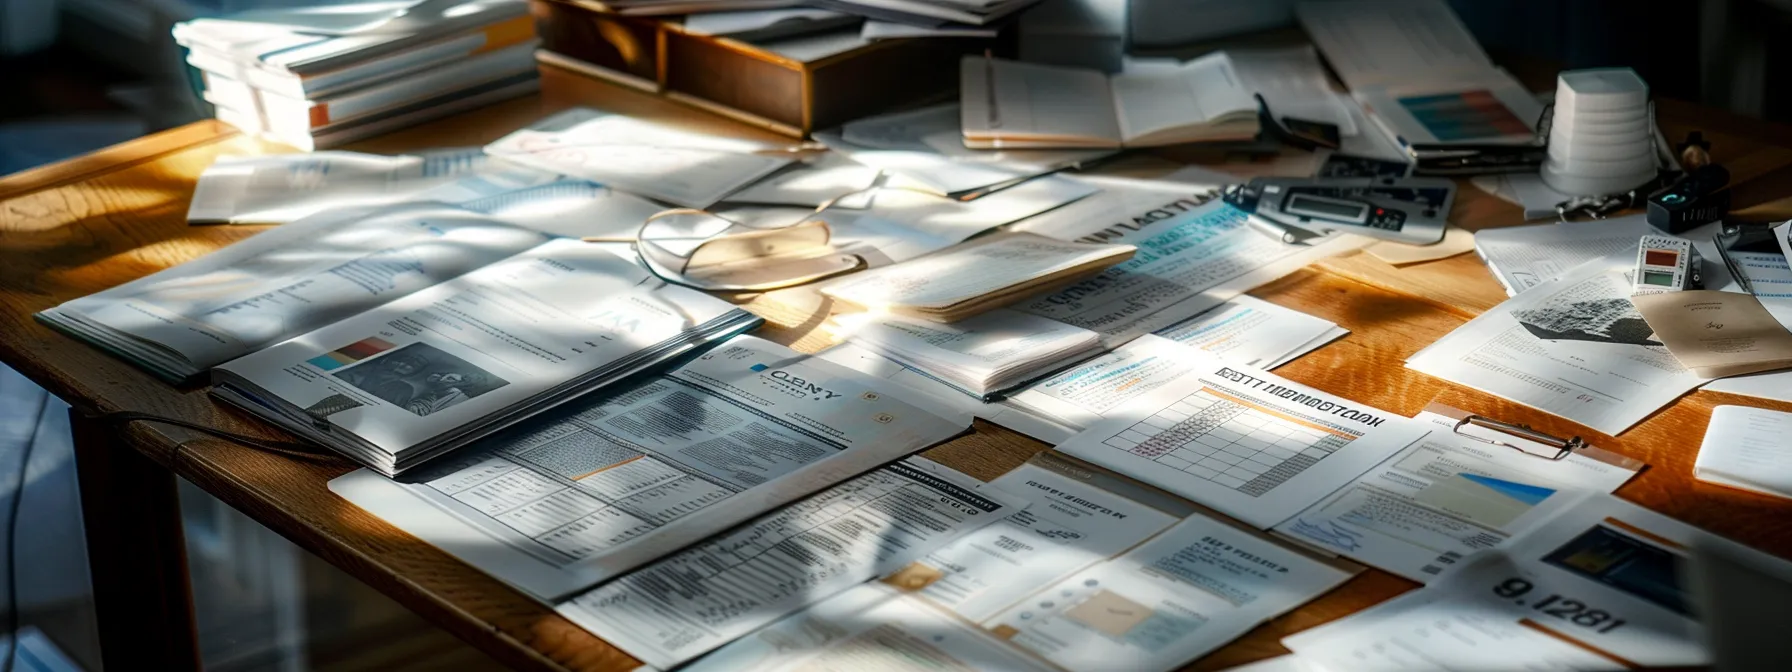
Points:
(396, 334)
(606, 484)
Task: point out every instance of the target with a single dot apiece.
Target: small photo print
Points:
(420, 378)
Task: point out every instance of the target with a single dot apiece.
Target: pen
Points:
(1271, 229)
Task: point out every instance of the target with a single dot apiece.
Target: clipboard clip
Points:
(1488, 430)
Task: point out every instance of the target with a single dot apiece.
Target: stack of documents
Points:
(317, 78)
(982, 356)
(397, 334)
(970, 279)
(618, 480)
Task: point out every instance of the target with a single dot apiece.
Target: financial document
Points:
(870, 627)
(1447, 497)
(1069, 523)
(1573, 346)
(1246, 442)
(1598, 584)
(600, 487)
(1186, 592)
(693, 601)
(1189, 259)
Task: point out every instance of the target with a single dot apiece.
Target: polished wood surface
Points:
(75, 228)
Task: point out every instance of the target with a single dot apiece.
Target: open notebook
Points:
(1008, 104)
(396, 334)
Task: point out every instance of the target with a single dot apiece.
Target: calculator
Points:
(1411, 210)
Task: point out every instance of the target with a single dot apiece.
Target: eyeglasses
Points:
(1528, 441)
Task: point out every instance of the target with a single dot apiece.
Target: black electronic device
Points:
(1694, 200)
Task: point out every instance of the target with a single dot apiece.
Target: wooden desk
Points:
(90, 223)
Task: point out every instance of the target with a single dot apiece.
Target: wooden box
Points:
(746, 82)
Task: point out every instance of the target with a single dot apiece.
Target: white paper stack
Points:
(322, 77)
(982, 356)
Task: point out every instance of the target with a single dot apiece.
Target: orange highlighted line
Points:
(1299, 421)
(582, 477)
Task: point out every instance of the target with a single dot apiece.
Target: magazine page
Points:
(598, 487)
(698, 599)
(485, 343)
(298, 277)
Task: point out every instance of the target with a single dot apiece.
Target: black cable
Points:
(288, 448)
(12, 538)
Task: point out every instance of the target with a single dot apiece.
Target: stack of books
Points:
(315, 79)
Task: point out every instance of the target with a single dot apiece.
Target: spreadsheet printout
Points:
(1244, 441)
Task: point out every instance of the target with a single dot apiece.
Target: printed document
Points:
(982, 356)
(494, 341)
(1189, 259)
(598, 487)
(1573, 346)
(290, 280)
(1376, 43)
(1717, 334)
(903, 221)
(1179, 596)
(1246, 442)
(1522, 257)
(1447, 497)
(281, 188)
(690, 169)
(870, 627)
(1246, 330)
(1069, 523)
(1598, 584)
(698, 599)
(1748, 448)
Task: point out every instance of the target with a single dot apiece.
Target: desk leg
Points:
(136, 553)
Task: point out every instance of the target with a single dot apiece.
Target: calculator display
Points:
(1308, 205)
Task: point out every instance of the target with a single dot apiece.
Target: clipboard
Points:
(1529, 441)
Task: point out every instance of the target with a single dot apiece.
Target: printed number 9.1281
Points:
(1573, 611)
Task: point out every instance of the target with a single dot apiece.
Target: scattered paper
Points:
(1747, 448)
(1717, 334)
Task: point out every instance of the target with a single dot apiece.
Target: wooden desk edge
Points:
(115, 158)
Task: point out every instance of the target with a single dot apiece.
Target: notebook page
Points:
(1197, 93)
(1024, 100)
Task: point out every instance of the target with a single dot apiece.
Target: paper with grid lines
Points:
(1244, 441)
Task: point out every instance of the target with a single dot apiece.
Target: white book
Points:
(1747, 448)
(1009, 104)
